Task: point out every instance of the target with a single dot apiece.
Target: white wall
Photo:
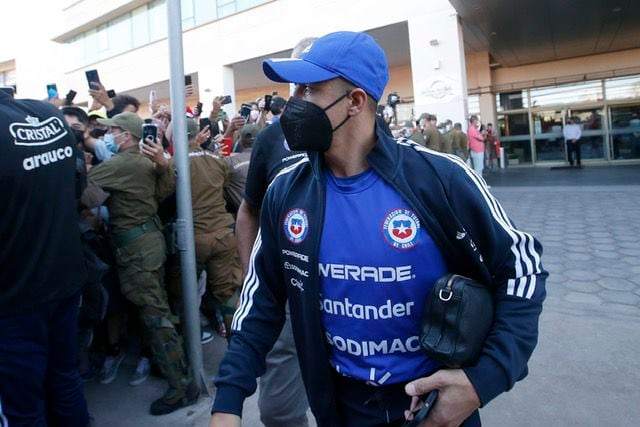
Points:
(208, 48)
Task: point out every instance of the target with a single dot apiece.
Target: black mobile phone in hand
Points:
(204, 123)
(92, 77)
(267, 102)
(149, 132)
(245, 111)
(421, 414)
(226, 100)
(70, 97)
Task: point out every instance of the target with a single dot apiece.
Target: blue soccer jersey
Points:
(377, 267)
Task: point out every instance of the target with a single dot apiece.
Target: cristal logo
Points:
(35, 133)
(400, 228)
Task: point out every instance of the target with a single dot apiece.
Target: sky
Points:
(29, 21)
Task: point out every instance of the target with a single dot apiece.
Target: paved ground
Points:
(586, 369)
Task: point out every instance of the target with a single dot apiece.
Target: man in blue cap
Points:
(354, 237)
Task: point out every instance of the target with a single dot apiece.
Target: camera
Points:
(393, 99)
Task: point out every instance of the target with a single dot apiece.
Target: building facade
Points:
(525, 68)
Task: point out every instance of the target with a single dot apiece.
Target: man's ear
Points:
(358, 99)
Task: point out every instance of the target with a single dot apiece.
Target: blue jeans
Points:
(39, 380)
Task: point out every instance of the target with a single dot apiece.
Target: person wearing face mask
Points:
(133, 183)
(353, 237)
(282, 399)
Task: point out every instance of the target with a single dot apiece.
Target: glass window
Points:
(514, 124)
(120, 34)
(75, 49)
(90, 47)
(103, 41)
(473, 104)
(226, 7)
(205, 10)
(157, 20)
(625, 132)
(247, 4)
(565, 94)
(592, 140)
(140, 26)
(514, 131)
(512, 100)
(549, 141)
(188, 20)
(623, 88)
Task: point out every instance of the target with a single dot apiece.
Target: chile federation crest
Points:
(296, 225)
(400, 228)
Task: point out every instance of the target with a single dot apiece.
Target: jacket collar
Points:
(385, 155)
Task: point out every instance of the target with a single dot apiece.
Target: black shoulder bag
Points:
(456, 321)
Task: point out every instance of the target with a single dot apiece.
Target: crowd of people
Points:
(479, 146)
(126, 281)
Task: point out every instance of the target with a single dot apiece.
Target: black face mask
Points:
(306, 126)
(79, 134)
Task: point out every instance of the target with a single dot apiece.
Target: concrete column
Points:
(488, 109)
(214, 81)
(480, 74)
(438, 62)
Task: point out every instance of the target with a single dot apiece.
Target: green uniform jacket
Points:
(432, 138)
(446, 142)
(210, 174)
(131, 179)
(459, 142)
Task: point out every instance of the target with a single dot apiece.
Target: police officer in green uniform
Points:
(418, 136)
(431, 134)
(446, 143)
(459, 142)
(215, 243)
(131, 179)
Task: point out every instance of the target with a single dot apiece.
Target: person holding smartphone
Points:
(133, 182)
(215, 243)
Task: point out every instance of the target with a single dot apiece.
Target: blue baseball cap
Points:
(356, 57)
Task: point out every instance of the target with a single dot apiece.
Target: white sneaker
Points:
(141, 373)
(110, 368)
(206, 336)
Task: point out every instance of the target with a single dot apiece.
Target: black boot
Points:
(172, 401)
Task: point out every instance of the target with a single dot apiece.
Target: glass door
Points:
(515, 137)
(547, 133)
(625, 131)
(593, 132)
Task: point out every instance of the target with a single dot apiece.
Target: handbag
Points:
(456, 321)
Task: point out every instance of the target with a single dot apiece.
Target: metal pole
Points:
(186, 244)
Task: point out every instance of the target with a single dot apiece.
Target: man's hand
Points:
(99, 95)
(236, 124)
(457, 398)
(155, 152)
(203, 135)
(216, 107)
(220, 419)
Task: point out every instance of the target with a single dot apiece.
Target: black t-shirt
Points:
(40, 254)
(268, 157)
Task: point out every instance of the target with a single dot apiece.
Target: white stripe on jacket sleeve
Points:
(521, 241)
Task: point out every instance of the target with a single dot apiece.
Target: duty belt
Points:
(121, 239)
